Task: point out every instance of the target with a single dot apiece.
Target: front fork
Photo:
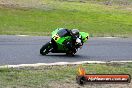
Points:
(50, 47)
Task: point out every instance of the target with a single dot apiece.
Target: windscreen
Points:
(62, 32)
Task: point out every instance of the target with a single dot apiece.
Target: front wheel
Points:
(45, 48)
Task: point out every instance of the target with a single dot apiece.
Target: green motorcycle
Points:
(60, 39)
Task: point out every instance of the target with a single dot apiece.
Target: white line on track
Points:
(59, 63)
(109, 37)
(22, 35)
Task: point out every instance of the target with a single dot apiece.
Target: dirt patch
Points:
(22, 3)
(26, 4)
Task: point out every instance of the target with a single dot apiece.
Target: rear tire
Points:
(45, 49)
(70, 53)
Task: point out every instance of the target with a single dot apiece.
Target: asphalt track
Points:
(25, 50)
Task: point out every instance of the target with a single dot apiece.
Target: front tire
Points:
(45, 49)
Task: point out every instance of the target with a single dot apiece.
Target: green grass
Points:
(44, 76)
(97, 19)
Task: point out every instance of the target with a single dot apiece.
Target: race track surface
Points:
(25, 50)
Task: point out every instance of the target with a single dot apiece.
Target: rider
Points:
(66, 32)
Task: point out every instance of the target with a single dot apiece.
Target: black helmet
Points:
(75, 32)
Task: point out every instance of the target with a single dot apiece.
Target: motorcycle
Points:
(58, 40)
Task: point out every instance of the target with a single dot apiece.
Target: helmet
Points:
(75, 32)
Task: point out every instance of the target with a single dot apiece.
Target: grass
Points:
(43, 18)
(46, 76)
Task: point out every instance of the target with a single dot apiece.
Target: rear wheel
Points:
(45, 48)
(70, 53)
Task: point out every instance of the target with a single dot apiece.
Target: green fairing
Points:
(60, 40)
(54, 32)
(84, 36)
